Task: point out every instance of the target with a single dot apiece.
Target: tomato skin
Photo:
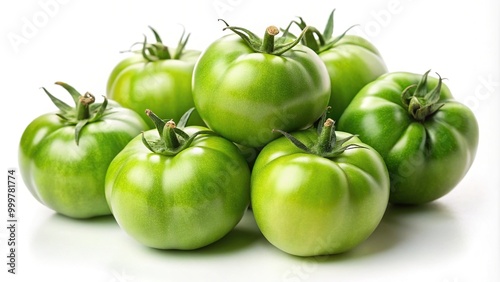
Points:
(352, 63)
(164, 86)
(308, 205)
(134, 58)
(185, 201)
(426, 159)
(69, 178)
(243, 95)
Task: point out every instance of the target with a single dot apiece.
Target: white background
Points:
(455, 239)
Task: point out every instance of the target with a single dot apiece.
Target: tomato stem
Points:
(268, 40)
(172, 139)
(269, 44)
(326, 138)
(169, 135)
(83, 106)
(327, 145)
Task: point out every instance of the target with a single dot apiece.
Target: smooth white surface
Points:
(455, 239)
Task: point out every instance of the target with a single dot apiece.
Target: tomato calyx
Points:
(172, 139)
(314, 39)
(420, 102)
(268, 44)
(157, 51)
(327, 145)
(85, 111)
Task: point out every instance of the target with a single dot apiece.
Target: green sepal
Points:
(420, 102)
(185, 118)
(294, 140)
(268, 44)
(327, 145)
(84, 112)
(78, 128)
(314, 39)
(172, 139)
(181, 46)
(71, 90)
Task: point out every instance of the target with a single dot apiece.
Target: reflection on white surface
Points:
(98, 248)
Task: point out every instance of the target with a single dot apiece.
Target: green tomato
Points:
(428, 139)
(64, 156)
(351, 61)
(321, 197)
(158, 78)
(184, 191)
(245, 87)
